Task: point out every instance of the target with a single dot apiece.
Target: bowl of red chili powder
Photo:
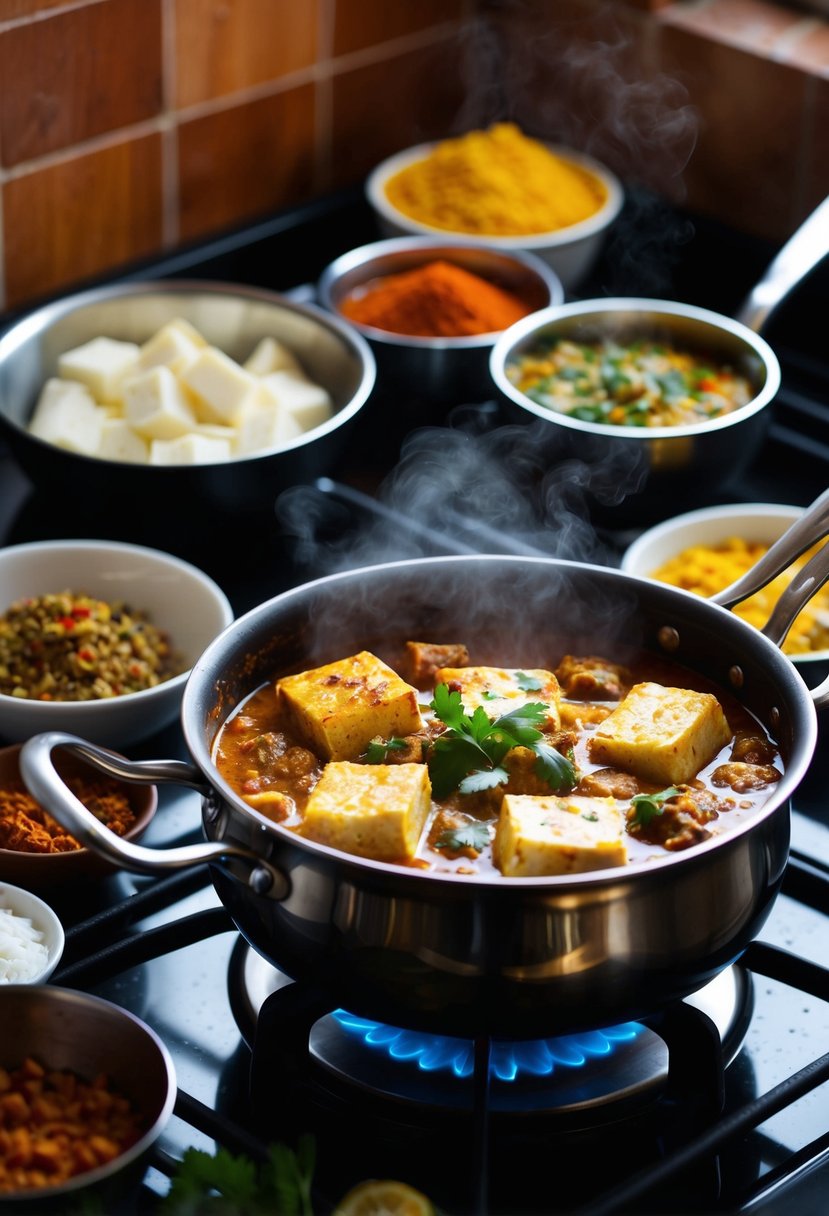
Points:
(431, 311)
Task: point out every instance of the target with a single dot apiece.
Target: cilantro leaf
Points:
(483, 779)
(228, 1185)
(467, 836)
(559, 772)
(469, 755)
(527, 683)
(378, 752)
(448, 706)
(647, 806)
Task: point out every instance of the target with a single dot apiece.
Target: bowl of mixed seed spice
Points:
(98, 638)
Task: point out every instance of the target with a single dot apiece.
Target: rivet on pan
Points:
(668, 638)
(735, 675)
(261, 880)
(774, 717)
(211, 809)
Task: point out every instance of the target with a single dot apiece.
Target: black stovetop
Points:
(769, 1146)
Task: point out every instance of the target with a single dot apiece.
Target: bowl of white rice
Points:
(31, 937)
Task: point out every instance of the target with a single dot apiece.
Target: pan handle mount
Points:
(806, 531)
(47, 786)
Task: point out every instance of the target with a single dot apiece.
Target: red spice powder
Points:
(437, 300)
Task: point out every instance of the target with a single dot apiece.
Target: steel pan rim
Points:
(206, 669)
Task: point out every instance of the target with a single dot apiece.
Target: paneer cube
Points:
(309, 404)
(120, 442)
(223, 389)
(549, 835)
(373, 810)
(265, 425)
(498, 690)
(339, 708)
(156, 407)
(190, 449)
(663, 735)
(171, 346)
(271, 355)
(66, 415)
(101, 364)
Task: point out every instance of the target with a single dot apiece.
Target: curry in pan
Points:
(438, 762)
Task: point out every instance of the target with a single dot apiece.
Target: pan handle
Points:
(798, 257)
(47, 786)
(806, 583)
(812, 525)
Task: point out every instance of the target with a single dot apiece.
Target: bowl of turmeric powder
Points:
(502, 188)
(35, 851)
(431, 310)
(706, 550)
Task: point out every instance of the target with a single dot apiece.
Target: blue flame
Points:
(508, 1060)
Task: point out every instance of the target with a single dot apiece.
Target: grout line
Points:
(71, 6)
(313, 74)
(324, 95)
(169, 131)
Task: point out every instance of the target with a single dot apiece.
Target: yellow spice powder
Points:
(706, 570)
(496, 182)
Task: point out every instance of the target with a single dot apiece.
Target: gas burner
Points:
(610, 1070)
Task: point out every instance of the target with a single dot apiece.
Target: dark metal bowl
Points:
(87, 1035)
(229, 316)
(435, 371)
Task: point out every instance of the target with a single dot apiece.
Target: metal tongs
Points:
(812, 526)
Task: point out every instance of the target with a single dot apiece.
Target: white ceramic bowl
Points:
(570, 251)
(177, 598)
(763, 522)
(43, 919)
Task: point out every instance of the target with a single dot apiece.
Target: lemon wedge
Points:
(384, 1198)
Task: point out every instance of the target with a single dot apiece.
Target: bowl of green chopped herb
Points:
(656, 403)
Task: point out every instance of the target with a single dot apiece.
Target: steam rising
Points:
(454, 491)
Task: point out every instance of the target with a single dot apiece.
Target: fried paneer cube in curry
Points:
(373, 810)
(663, 735)
(498, 690)
(548, 835)
(339, 708)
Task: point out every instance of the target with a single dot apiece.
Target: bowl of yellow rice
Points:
(504, 189)
(707, 550)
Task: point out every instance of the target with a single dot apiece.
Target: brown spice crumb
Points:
(27, 828)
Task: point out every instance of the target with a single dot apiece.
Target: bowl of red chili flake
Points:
(98, 637)
(36, 852)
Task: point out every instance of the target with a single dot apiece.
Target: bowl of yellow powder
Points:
(501, 188)
(707, 550)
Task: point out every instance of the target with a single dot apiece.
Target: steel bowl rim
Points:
(536, 322)
(365, 255)
(40, 319)
(557, 238)
(207, 669)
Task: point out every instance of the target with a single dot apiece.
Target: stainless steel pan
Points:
(466, 955)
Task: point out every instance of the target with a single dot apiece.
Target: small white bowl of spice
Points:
(31, 937)
(503, 188)
(98, 638)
